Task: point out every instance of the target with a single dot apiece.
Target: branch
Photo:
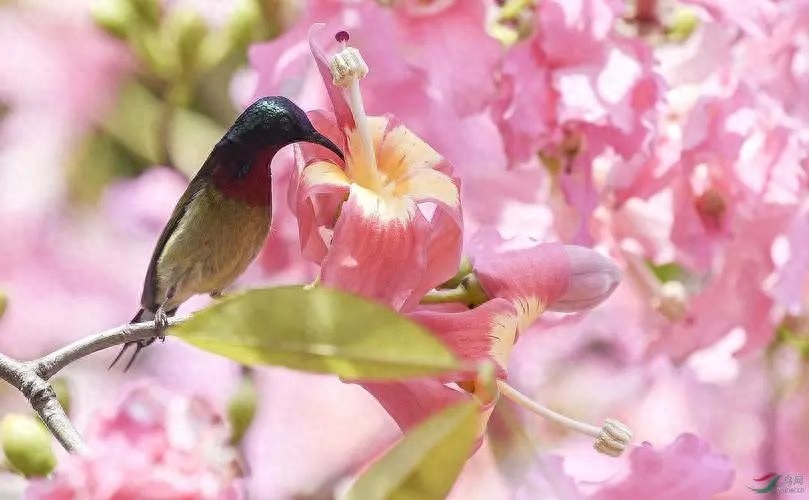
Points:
(31, 377)
(43, 400)
(49, 365)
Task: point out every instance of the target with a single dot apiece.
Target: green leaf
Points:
(318, 330)
(426, 462)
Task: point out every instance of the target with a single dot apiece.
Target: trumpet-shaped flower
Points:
(511, 285)
(386, 221)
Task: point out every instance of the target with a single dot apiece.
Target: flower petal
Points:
(531, 277)
(345, 119)
(410, 402)
(325, 124)
(316, 192)
(593, 278)
(443, 252)
(378, 247)
(485, 332)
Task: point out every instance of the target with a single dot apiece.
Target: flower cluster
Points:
(154, 444)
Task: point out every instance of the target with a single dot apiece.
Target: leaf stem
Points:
(458, 294)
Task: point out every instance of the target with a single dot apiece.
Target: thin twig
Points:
(31, 377)
(49, 365)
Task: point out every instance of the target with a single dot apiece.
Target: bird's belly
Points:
(212, 246)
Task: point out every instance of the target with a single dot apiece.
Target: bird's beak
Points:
(318, 138)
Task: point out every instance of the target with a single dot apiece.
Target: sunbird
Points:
(222, 219)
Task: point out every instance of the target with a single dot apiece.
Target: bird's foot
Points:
(161, 322)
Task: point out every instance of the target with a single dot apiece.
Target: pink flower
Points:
(683, 470)
(154, 445)
(788, 283)
(384, 223)
(520, 282)
(575, 91)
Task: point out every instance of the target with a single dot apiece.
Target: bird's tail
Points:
(141, 316)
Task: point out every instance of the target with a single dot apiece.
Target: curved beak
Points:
(318, 138)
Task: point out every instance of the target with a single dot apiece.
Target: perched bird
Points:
(221, 221)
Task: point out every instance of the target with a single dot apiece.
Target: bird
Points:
(222, 219)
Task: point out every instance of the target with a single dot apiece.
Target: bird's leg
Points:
(161, 319)
(161, 322)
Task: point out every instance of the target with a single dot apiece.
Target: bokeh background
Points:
(668, 135)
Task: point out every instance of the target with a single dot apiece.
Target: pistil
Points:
(347, 68)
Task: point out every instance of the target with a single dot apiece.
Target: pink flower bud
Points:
(593, 278)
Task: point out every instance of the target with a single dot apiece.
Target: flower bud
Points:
(593, 278)
(3, 303)
(242, 408)
(188, 30)
(149, 11)
(114, 16)
(683, 25)
(27, 445)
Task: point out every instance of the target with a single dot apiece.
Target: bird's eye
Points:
(286, 123)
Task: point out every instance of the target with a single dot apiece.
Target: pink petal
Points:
(326, 124)
(473, 334)
(525, 112)
(345, 119)
(439, 44)
(593, 278)
(410, 402)
(685, 469)
(378, 248)
(531, 277)
(316, 192)
(788, 284)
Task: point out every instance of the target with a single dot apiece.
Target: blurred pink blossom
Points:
(685, 469)
(153, 445)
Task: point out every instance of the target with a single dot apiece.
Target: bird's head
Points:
(274, 122)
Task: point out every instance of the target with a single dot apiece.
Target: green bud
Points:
(244, 22)
(114, 16)
(683, 25)
(62, 390)
(27, 445)
(151, 48)
(3, 303)
(188, 30)
(242, 408)
(147, 10)
(512, 9)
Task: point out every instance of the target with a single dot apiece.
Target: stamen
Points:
(347, 68)
(611, 439)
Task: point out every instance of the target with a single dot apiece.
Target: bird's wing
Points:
(197, 184)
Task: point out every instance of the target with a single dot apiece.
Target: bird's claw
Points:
(161, 322)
